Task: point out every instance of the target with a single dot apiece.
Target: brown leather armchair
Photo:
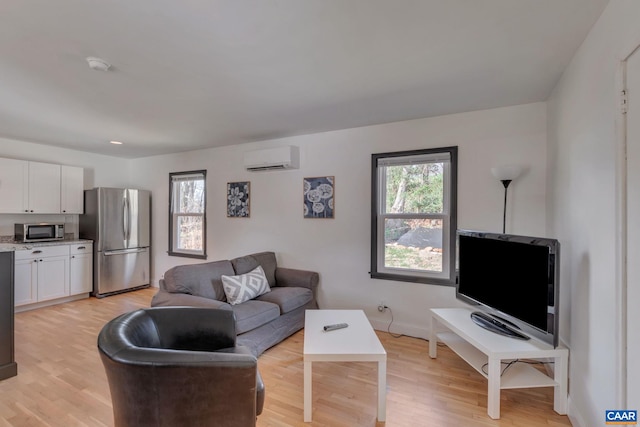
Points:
(179, 366)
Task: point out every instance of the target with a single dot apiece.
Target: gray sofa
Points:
(261, 322)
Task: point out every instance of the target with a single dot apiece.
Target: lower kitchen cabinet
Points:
(53, 277)
(47, 273)
(26, 281)
(80, 268)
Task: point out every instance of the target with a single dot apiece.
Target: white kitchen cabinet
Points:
(53, 277)
(14, 181)
(41, 274)
(72, 190)
(40, 188)
(44, 188)
(80, 268)
(26, 281)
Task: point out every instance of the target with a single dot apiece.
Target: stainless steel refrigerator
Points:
(119, 223)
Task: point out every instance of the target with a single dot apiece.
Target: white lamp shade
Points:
(507, 172)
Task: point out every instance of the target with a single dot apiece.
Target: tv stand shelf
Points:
(485, 351)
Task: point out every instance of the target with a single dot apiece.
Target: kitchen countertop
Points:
(10, 247)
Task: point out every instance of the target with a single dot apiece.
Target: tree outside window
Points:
(187, 220)
(413, 215)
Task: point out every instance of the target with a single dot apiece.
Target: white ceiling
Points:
(191, 74)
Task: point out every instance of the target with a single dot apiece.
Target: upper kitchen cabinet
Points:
(72, 190)
(14, 185)
(44, 188)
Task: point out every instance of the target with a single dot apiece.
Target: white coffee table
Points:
(356, 343)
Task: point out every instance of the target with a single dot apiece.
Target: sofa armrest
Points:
(238, 357)
(297, 278)
(165, 299)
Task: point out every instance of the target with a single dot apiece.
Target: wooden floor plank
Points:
(61, 381)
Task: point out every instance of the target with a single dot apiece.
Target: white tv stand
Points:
(480, 347)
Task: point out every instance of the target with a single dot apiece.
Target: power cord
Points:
(389, 327)
(403, 335)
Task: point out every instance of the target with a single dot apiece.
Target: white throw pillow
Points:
(245, 286)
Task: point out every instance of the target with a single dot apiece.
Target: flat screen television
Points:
(513, 282)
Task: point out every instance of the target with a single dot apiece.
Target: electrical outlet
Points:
(382, 307)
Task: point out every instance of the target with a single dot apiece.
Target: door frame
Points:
(621, 273)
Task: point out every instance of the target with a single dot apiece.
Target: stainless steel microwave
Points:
(39, 232)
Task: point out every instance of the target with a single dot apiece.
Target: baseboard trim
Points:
(47, 303)
(574, 415)
(9, 370)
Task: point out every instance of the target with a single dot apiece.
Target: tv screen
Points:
(512, 277)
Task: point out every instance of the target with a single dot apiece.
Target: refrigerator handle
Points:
(125, 216)
(124, 251)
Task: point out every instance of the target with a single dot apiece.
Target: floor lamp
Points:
(506, 174)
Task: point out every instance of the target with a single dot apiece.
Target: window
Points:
(413, 215)
(187, 220)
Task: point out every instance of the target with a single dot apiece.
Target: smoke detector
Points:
(98, 64)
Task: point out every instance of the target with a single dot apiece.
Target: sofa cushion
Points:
(203, 280)
(253, 314)
(288, 298)
(247, 263)
(244, 264)
(244, 287)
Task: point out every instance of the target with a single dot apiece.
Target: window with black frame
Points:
(187, 214)
(413, 215)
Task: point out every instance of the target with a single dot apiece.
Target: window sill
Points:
(413, 279)
(185, 255)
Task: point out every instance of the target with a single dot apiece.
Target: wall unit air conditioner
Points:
(276, 158)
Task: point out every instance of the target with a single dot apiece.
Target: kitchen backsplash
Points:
(7, 221)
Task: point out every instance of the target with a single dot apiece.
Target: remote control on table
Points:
(328, 328)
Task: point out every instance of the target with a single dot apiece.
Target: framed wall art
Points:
(238, 199)
(318, 197)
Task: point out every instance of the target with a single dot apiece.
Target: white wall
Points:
(99, 170)
(339, 249)
(583, 204)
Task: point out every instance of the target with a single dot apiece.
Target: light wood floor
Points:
(61, 381)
